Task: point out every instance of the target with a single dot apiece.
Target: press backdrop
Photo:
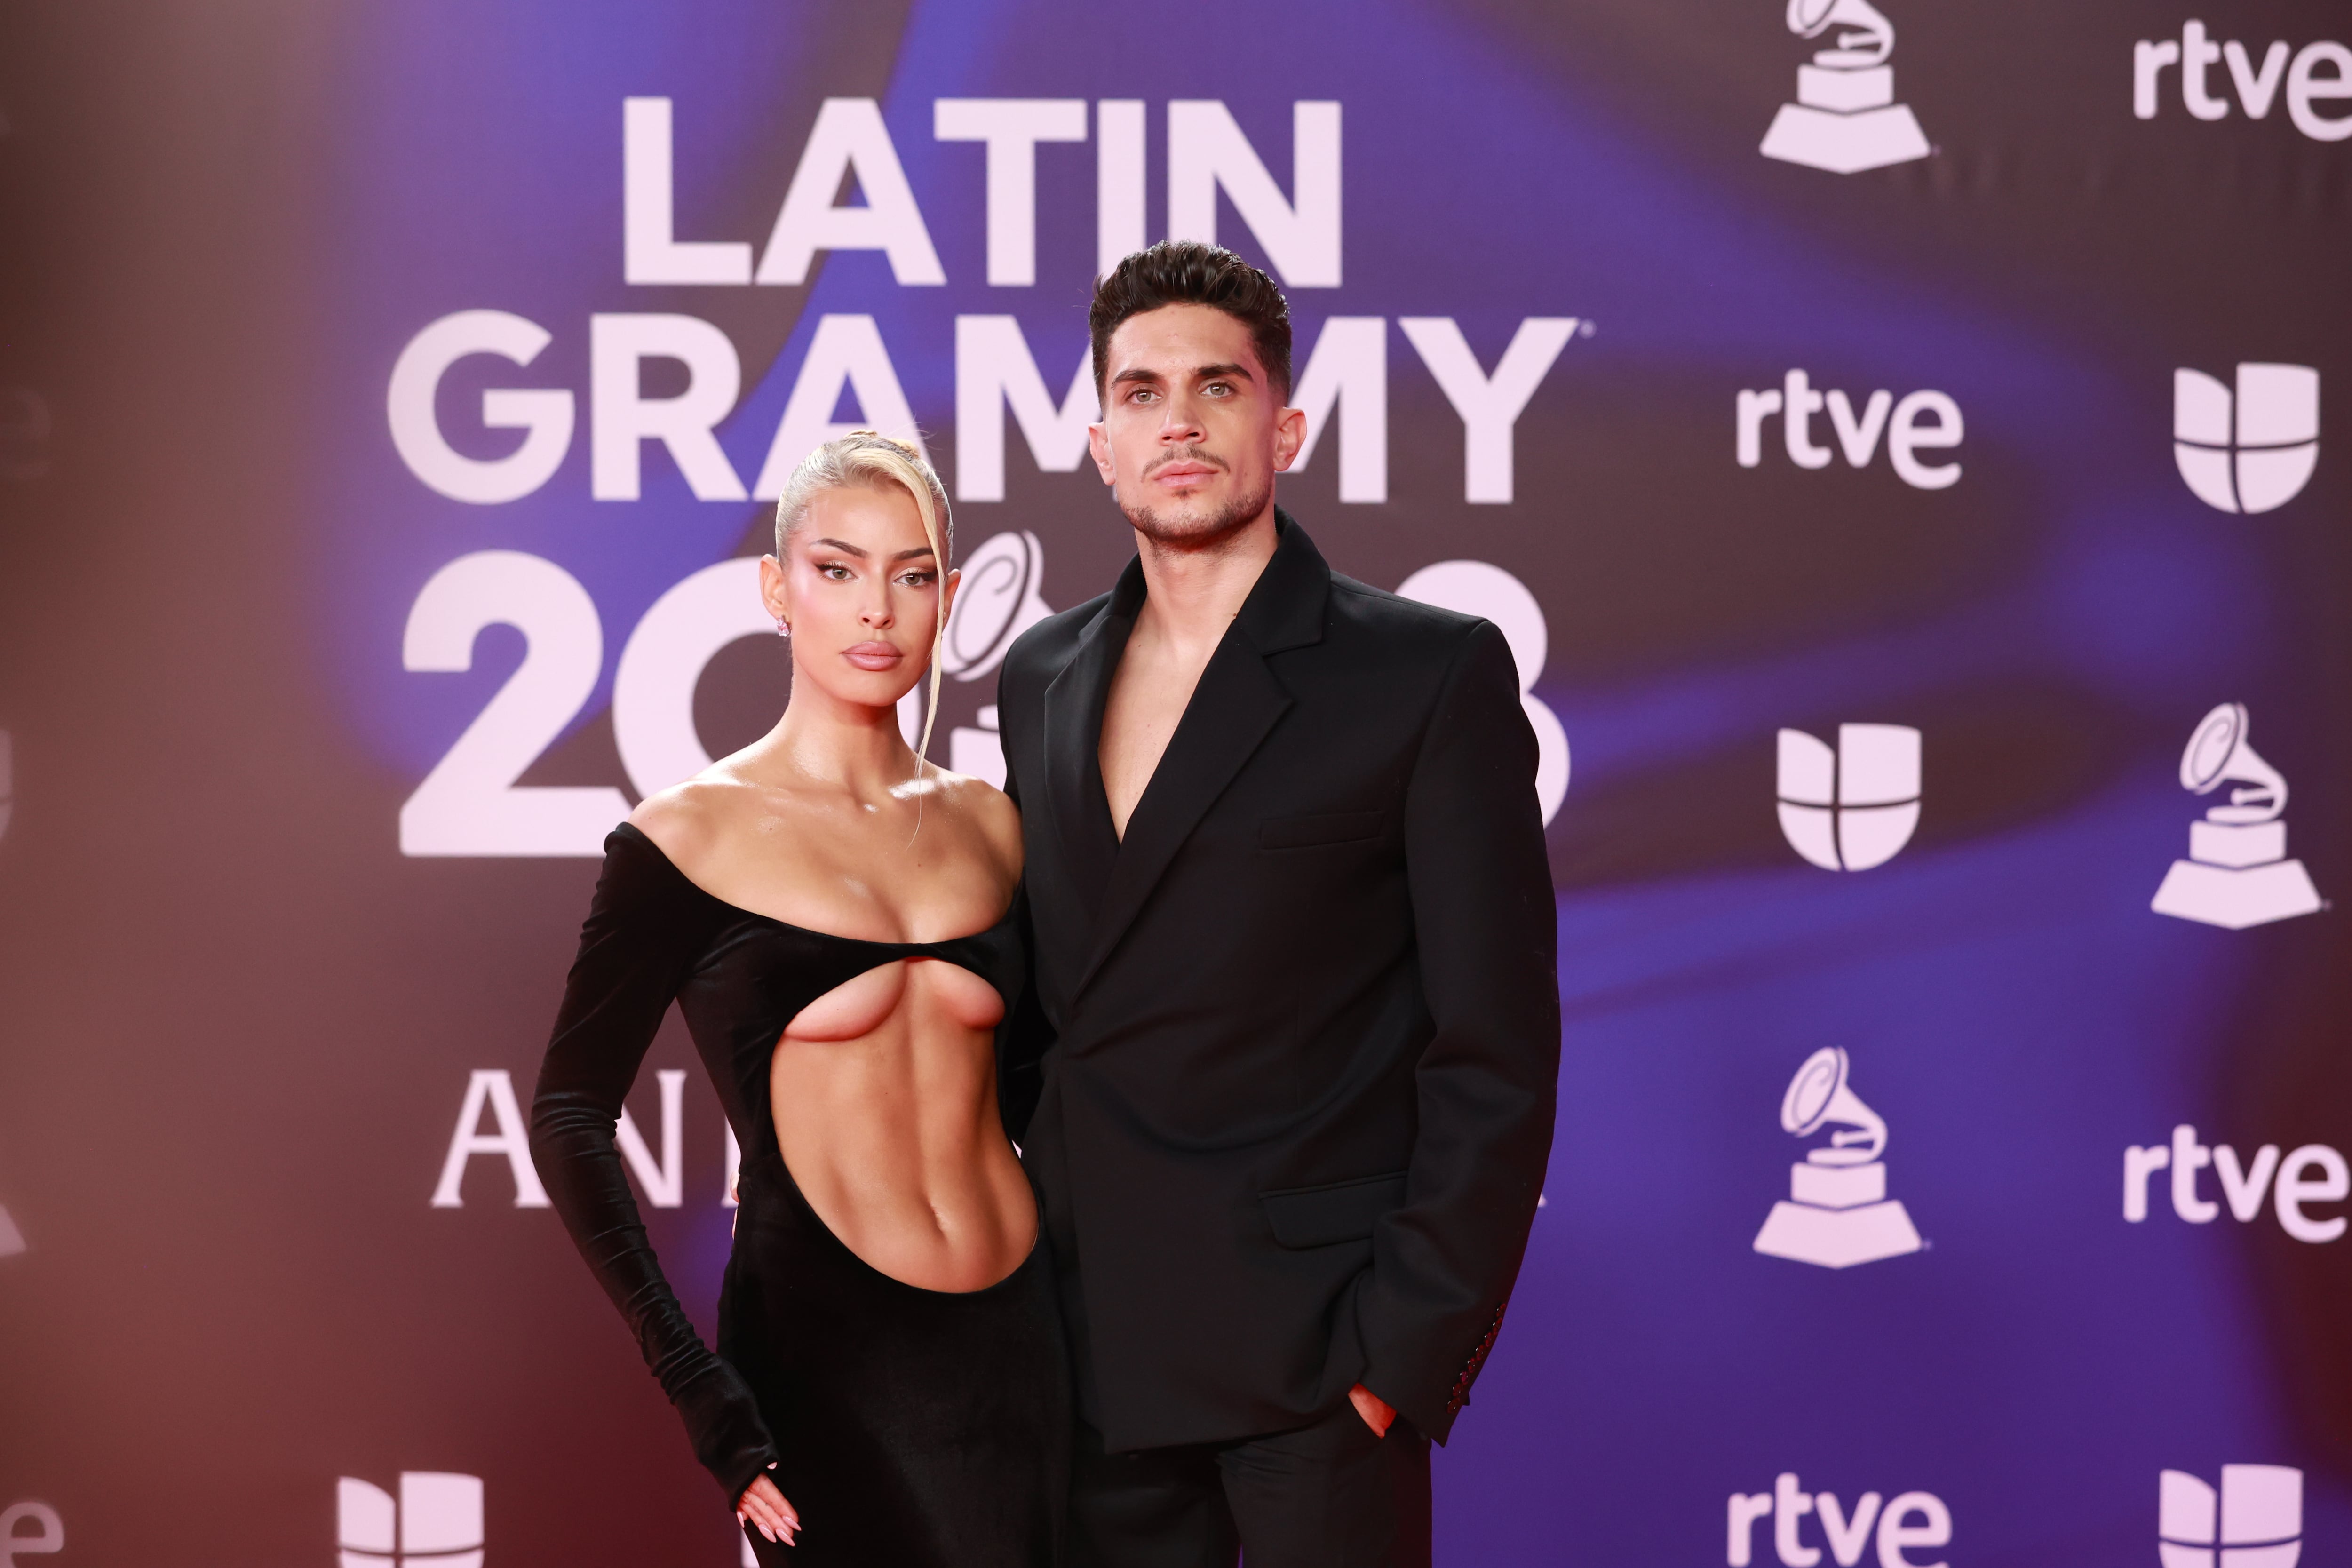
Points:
(374, 376)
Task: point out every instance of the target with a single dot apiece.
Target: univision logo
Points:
(2258, 1522)
(437, 1523)
(1854, 807)
(2253, 450)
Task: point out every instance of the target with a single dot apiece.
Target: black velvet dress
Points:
(909, 1428)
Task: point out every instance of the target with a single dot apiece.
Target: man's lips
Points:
(1182, 473)
(872, 655)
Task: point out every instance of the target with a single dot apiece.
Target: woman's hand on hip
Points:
(763, 1508)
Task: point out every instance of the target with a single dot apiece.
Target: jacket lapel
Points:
(1073, 739)
(1236, 704)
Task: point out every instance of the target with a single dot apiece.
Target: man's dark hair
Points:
(1187, 272)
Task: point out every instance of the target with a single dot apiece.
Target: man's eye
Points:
(1139, 395)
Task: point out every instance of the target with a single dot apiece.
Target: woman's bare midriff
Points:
(884, 1095)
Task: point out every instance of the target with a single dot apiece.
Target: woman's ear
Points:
(948, 593)
(771, 588)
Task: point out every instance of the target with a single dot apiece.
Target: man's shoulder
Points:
(1406, 626)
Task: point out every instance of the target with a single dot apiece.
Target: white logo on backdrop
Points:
(1920, 421)
(2243, 1182)
(2257, 87)
(12, 1240)
(1476, 588)
(8, 781)
(48, 1532)
(1854, 807)
(437, 1522)
(1212, 167)
(1845, 119)
(1837, 1212)
(1845, 1534)
(2251, 450)
(2237, 874)
(1001, 596)
(491, 1092)
(2256, 1519)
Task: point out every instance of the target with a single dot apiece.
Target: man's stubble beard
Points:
(1194, 534)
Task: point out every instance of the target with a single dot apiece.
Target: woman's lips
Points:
(875, 656)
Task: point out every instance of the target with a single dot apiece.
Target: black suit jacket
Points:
(1303, 1022)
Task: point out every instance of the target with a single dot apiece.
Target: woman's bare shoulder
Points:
(687, 822)
(988, 811)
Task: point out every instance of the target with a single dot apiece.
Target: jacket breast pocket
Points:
(1323, 827)
(1336, 1211)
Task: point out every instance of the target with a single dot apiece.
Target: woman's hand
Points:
(763, 1508)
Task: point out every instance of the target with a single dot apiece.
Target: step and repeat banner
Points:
(1902, 444)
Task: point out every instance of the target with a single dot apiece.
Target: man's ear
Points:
(1289, 435)
(1098, 444)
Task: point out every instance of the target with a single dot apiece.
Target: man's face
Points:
(1191, 433)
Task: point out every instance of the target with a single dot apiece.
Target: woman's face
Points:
(862, 592)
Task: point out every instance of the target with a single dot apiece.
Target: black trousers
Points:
(1331, 1495)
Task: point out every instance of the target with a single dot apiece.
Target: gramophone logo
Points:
(1845, 119)
(1854, 807)
(1000, 598)
(2251, 450)
(1837, 1213)
(437, 1522)
(2256, 1519)
(2237, 874)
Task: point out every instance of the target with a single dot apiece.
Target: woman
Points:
(834, 918)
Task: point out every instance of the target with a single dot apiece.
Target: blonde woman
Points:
(836, 919)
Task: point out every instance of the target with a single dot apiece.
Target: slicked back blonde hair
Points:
(865, 460)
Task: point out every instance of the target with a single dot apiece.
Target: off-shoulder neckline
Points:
(639, 834)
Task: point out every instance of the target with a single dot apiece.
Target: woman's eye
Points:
(834, 572)
(920, 579)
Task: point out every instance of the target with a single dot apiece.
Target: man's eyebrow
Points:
(1228, 371)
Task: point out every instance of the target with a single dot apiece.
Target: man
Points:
(1295, 941)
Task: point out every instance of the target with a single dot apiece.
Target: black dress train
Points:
(907, 1426)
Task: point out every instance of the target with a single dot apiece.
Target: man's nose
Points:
(1180, 419)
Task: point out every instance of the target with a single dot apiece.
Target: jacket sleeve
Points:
(643, 934)
(1442, 1265)
(1026, 1033)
